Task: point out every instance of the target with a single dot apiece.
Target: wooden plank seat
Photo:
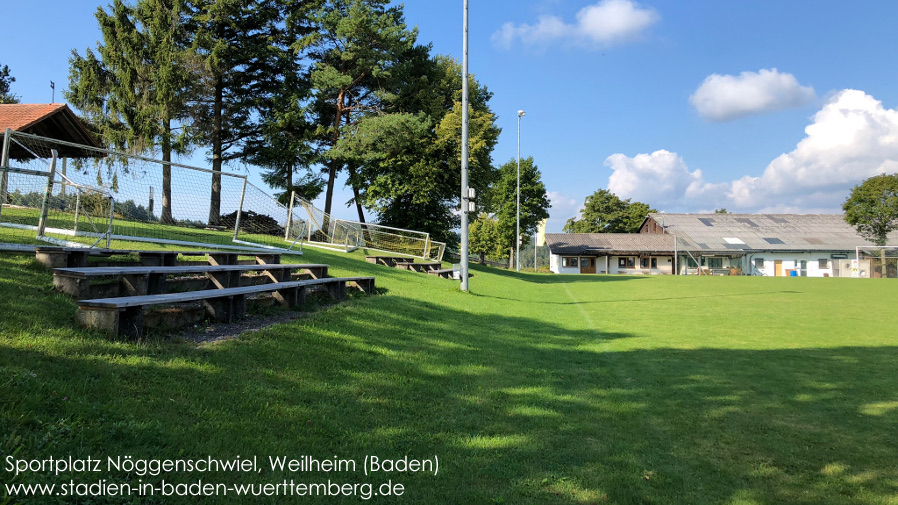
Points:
(103, 282)
(124, 315)
(61, 257)
(446, 273)
(76, 257)
(389, 261)
(425, 266)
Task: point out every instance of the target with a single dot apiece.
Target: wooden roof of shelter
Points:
(54, 120)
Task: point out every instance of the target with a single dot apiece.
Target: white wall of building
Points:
(555, 266)
(792, 261)
(664, 265)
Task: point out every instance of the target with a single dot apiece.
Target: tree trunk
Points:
(483, 258)
(355, 194)
(166, 217)
(511, 258)
(215, 199)
(333, 166)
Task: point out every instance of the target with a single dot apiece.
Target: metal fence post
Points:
(4, 166)
(45, 205)
(240, 209)
(77, 209)
(289, 216)
(111, 217)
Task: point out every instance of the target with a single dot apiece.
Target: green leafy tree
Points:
(483, 237)
(534, 201)
(721, 211)
(354, 48)
(605, 212)
(872, 207)
(137, 91)
(407, 159)
(5, 81)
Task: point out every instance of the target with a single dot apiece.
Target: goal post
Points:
(324, 230)
(878, 262)
(120, 196)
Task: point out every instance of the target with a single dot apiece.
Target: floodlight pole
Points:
(518, 195)
(464, 152)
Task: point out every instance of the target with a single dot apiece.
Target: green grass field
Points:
(530, 389)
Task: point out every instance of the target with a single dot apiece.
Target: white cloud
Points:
(662, 180)
(851, 138)
(563, 208)
(605, 23)
(726, 97)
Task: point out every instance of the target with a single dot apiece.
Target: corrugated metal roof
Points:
(764, 232)
(596, 243)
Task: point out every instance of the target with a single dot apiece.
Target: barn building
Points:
(812, 245)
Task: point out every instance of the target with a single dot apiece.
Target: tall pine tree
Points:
(237, 43)
(354, 49)
(140, 84)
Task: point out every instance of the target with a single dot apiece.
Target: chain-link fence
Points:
(52, 190)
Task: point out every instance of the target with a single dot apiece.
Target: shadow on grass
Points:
(641, 299)
(555, 278)
(518, 410)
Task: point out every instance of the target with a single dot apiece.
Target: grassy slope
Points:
(534, 388)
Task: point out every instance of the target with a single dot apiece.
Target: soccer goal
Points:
(323, 230)
(878, 262)
(60, 192)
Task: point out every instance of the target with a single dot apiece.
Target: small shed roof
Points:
(600, 244)
(762, 232)
(54, 120)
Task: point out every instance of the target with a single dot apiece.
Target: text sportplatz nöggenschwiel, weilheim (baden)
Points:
(305, 475)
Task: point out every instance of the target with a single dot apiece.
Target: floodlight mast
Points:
(518, 196)
(465, 200)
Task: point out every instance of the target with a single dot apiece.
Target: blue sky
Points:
(761, 106)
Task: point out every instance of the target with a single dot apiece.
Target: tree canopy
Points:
(305, 90)
(407, 158)
(534, 200)
(140, 84)
(872, 207)
(484, 239)
(605, 212)
(5, 81)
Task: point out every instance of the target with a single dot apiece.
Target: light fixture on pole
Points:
(465, 199)
(518, 236)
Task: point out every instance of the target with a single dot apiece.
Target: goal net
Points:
(57, 191)
(324, 230)
(876, 262)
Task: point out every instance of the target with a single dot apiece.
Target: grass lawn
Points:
(530, 389)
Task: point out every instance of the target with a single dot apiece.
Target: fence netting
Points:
(321, 228)
(73, 194)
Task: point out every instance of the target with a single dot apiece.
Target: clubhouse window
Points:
(626, 262)
(569, 262)
(823, 263)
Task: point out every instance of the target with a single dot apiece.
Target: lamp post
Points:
(518, 235)
(465, 202)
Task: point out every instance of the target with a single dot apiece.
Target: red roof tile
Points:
(21, 116)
